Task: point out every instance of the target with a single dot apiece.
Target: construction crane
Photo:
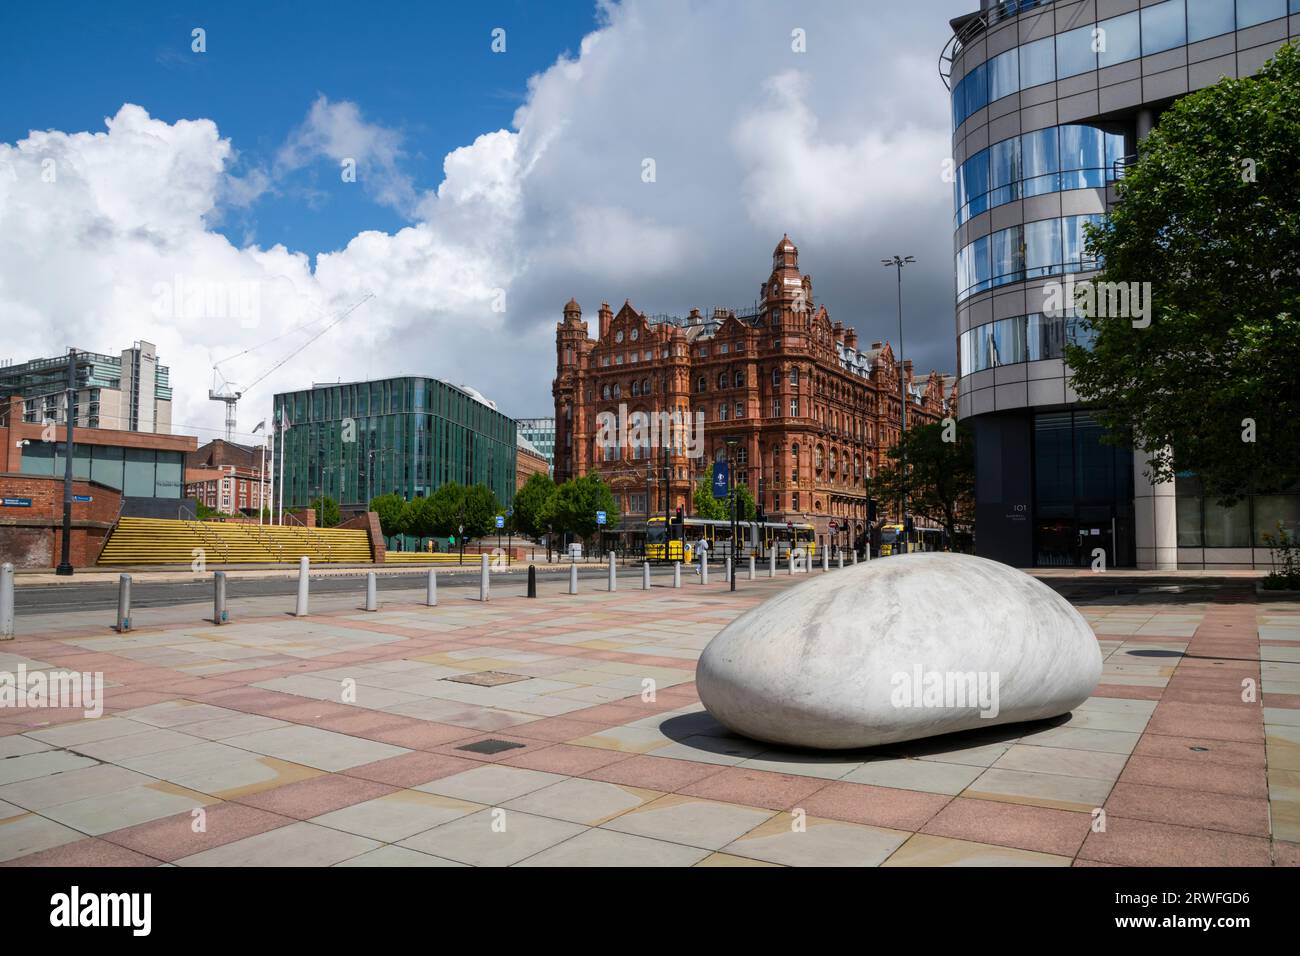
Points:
(226, 391)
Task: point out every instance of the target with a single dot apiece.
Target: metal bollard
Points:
(704, 567)
(645, 576)
(727, 570)
(372, 595)
(6, 602)
(613, 579)
(792, 560)
(123, 603)
(573, 579)
(839, 559)
(826, 560)
(771, 563)
(751, 567)
(532, 581)
(677, 574)
(304, 574)
(483, 578)
(431, 589)
(219, 615)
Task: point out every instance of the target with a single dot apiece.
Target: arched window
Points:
(776, 377)
(794, 375)
(817, 458)
(645, 386)
(636, 388)
(722, 412)
(738, 380)
(701, 384)
(857, 467)
(618, 390)
(794, 453)
(604, 391)
(833, 461)
(722, 380)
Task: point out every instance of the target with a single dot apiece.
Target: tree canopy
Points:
(1208, 382)
(390, 509)
(940, 478)
(532, 505)
(575, 503)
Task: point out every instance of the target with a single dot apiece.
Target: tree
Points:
(481, 510)
(444, 509)
(707, 506)
(418, 519)
(1206, 381)
(327, 511)
(940, 477)
(531, 503)
(747, 509)
(389, 509)
(574, 506)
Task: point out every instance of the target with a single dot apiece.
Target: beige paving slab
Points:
(30, 833)
(1066, 762)
(125, 808)
(17, 745)
(925, 775)
(313, 747)
(925, 850)
(41, 764)
(395, 816)
(493, 837)
(397, 856)
(680, 819)
(817, 842)
(297, 844)
(88, 731)
(1040, 789)
(600, 847)
(589, 802)
(48, 791)
(491, 784)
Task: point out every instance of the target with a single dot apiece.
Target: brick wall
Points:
(370, 521)
(31, 537)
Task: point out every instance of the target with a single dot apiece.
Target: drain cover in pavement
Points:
(490, 746)
(486, 678)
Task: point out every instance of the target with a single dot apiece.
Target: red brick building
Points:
(811, 413)
(227, 477)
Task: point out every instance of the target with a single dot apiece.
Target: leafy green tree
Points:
(707, 506)
(1210, 217)
(481, 510)
(940, 478)
(390, 509)
(574, 506)
(531, 504)
(444, 509)
(327, 511)
(418, 519)
(747, 508)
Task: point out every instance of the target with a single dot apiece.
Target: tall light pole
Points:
(732, 441)
(65, 559)
(897, 262)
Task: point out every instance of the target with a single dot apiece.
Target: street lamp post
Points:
(732, 441)
(897, 262)
(65, 558)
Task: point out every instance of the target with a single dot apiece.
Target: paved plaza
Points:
(566, 731)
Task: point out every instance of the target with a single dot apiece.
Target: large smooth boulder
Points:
(896, 649)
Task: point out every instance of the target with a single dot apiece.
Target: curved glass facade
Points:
(1153, 29)
(1021, 338)
(1027, 251)
(1044, 161)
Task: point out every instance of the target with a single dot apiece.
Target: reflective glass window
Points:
(1004, 171)
(1121, 41)
(1044, 337)
(1274, 510)
(1039, 159)
(976, 183)
(1227, 527)
(1208, 18)
(1072, 235)
(1007, 256)
(977, 89)
(1009, 340)
(1164, 27)
(1004, 74)
(1037, 63)
(1250, 12)
(1074, 53)
(1083, 157)
(1042, 247)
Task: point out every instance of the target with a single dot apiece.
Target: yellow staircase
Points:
(167, 541)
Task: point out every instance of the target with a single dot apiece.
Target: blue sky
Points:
(491, 187)
(423, 69)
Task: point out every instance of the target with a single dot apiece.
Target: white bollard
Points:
(839, 560)
(573, 578)
(613, 578)
(219, 615)
(6, 602)
(372, 592)
(483, 578)
(751, 567)
(704, 567)
(123, 603)
(677, 574)
(792, 560)
(771, 563)
(727, 570)
(645, 576)
(304, 574)
(826, 560)
(431, 589)
(855, 555)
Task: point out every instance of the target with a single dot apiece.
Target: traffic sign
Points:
(721, 479)
(834, 527)
(600, 517)
(501, 522)
(83, 498)
(17, 502)
(460, 529)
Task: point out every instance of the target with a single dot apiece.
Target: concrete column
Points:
(1155, 519)
(304, 575)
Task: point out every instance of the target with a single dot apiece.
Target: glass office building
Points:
(1050, 102)
(541, 433)
(408, 436)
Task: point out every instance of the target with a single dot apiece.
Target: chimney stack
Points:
(851, 338)
(606, 316)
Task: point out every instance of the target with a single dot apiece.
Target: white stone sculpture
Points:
(912, 646)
